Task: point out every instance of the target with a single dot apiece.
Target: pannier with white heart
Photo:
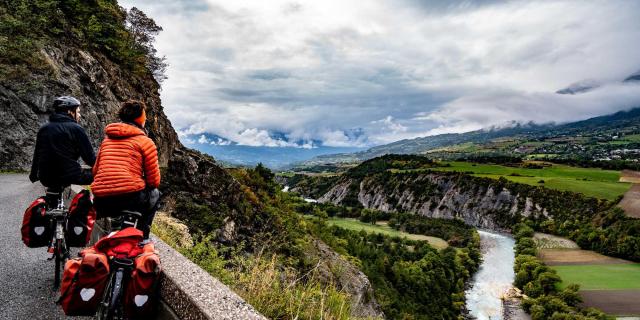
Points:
(83, 283)
(37, 229)
(142, 290)
(82, 216)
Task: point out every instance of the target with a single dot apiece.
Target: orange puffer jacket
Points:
(127, 162)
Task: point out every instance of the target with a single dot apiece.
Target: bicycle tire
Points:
(116, 307)
(110, 307)
(104, 308)
(59, 257)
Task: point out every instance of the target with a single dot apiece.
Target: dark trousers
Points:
(54, 190)
(144, 201)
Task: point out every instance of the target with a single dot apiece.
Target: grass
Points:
(601, 277)
(626, 139)
(591, 182)
(353, 224)
(275, 290)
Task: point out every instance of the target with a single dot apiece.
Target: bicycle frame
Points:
(58, 247)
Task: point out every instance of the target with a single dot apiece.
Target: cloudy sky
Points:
(362, 73)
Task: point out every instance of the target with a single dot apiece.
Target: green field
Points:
(353, 224)
(601, 277)
(634, 138)
(591, 182)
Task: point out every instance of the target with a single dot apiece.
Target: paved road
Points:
(26, 277)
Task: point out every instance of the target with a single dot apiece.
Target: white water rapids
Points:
(494, 277)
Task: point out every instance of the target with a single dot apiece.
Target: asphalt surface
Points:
(26, 277)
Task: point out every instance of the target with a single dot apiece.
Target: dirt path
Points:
(630, 176)
(631, 201)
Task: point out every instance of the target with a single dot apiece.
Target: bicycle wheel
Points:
(103, 307)
(59, 257)
(116, 306)
(110, 307)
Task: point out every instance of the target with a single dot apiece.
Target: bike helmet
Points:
(65, 103)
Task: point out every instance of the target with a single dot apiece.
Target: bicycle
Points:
(58, 246)
(111, 306)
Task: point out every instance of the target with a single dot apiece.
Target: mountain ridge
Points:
(422, 145)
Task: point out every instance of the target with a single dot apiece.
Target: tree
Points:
(143, 31)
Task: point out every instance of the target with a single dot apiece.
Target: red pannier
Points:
(83, 283)
(121, 244)
(36, 225)
(142, 291)
(82, 216)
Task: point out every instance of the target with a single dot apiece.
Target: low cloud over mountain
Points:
(334, 73)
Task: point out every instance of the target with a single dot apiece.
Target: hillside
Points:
(610, 137)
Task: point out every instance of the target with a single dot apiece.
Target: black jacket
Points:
(58, 146)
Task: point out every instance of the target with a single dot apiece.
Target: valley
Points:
(498, 196)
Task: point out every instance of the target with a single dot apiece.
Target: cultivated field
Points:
(593, 182)
(353, 224)
(560, 257)
(601, 276)
(618, 302)
(549, 241)
(609, 284)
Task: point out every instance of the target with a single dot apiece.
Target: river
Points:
(494, 277)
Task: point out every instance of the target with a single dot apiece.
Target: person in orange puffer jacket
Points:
(126, 172)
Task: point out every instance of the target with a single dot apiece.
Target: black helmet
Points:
(65, 103)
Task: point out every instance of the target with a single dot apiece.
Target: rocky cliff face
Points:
(336, 269)
(438, 196)
(97, 82)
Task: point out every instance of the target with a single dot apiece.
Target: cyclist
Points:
(126, 172)
(59, 145)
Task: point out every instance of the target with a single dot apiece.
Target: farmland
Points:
(381, 227)
(601, 276)
(609, 284)
(594, 182)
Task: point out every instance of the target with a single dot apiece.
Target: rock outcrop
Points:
(437, 195)
(97, 82)
(334, 268)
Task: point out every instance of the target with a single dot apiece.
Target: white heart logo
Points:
(77, 230)
(38, 230)
(140, 300)
(87, 294)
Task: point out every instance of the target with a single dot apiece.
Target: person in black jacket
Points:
(59, 145)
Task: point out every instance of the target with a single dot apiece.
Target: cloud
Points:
(336, 73)
(495, 108)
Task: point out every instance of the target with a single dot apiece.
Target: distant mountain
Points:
(633, 77)
(272, 157)
(579, 87)
(598, 134)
